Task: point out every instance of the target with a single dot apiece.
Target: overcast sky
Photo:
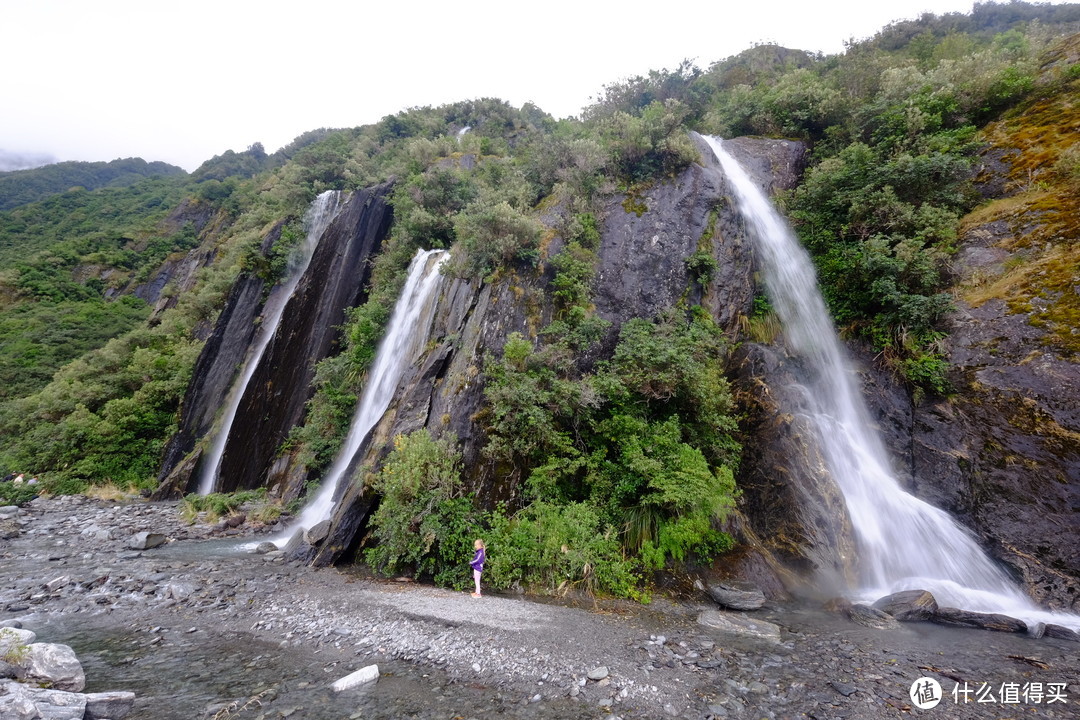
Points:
(184, 81)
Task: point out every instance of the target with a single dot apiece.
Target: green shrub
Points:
(555, 548)
(701, 265)
(929, 372)
(218, 505)
(640, 451)
(494, 235)
(574, 268)
(423, 523)
(12, 494)
(650, 145)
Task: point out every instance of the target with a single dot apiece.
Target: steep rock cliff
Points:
(282, 383)
(641, 270)
(335, 280)
(1002, 452)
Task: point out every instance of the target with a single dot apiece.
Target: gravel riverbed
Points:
(203, 627)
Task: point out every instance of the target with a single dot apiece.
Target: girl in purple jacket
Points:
(477, 564)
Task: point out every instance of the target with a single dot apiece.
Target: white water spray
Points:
(904, 542)
(406, 334)
(319, 216)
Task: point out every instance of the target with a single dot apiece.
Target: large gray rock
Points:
(736, 594)
(872, 617)
(58, 704)
(909, 605)
(9, 527)
(1061, 633)
(55, 665)
(317, 532)
(16, 702)
(742, 625)
(109, 705)
(145, 540)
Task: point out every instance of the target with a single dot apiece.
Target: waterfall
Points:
(406, 334)
(319, 216)
(904, 543)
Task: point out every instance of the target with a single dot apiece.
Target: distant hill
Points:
(10, 160)
(21, 187)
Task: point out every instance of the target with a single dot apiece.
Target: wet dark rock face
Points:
(281, 385)
(214, 371)
(789, 499)
(1002, 453)
(334, 281)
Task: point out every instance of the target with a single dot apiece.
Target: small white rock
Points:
(363, 675)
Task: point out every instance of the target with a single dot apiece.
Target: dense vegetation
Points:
(21, 187)
(894, 128)
(621, 466)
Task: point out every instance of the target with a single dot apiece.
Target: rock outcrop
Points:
(641, 270)
(1001, 453)
(335, 280)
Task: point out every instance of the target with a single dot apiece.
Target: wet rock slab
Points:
(984, 621)
(872, 617)
(735, 624)
(1060, 632)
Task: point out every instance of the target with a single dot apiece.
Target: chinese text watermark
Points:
(927, 693)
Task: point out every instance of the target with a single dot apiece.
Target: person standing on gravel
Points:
(477, 563)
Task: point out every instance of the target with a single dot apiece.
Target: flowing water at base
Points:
(206, 674)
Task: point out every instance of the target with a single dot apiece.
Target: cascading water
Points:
(406, 335)
(319, 216)
(904, 542)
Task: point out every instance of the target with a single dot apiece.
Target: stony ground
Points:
(197, 608)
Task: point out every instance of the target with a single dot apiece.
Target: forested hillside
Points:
(22, 187)
(623, 443)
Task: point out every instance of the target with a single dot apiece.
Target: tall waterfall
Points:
(406, 334)
(319, 216)
(904, 542)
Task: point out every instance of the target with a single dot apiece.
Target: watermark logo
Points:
(925, 693)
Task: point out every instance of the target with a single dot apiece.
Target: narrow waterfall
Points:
(319, 216)
(904, 543)
(406, 334)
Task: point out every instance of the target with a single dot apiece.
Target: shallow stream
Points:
(180, 675)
